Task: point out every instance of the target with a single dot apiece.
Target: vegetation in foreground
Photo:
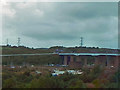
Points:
(89, 79)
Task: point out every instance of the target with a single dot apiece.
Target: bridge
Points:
(64, 54)
(81, 59)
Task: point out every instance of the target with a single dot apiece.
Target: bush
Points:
(76, 83)
(9, 83)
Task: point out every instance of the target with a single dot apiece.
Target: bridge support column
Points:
(65, 60)
(78, 59)
(116, 61)
(102, 60)
(96, 60)
(118, 57)
(108, 61)
(71, 58)
(85, 61)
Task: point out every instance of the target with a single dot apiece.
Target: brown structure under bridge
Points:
(90, 59)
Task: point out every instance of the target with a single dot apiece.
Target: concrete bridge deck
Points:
(64, 54)
(90, 54)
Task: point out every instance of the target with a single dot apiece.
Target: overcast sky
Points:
(43, 25)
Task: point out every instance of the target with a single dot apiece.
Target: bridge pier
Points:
(108, 61)
(71, 58)
(102, 60)
(65, 60)
(96, 60)
(85, 61)
(78, 58)
(116, 61)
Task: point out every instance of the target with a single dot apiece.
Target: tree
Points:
(116, 78)
(76, 83)
(97, 83)
(9, 83)
(46, 82)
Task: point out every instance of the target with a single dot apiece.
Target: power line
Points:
(81, 41)
(19, 41)
(7, 43)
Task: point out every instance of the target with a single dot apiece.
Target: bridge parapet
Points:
(90, 54)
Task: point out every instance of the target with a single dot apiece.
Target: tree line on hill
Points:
(23, 49)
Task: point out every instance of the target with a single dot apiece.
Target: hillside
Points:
(25, 50)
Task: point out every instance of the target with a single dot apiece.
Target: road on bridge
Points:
(28, 54)
(64, 54)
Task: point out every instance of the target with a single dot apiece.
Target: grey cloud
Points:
(65, 22)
